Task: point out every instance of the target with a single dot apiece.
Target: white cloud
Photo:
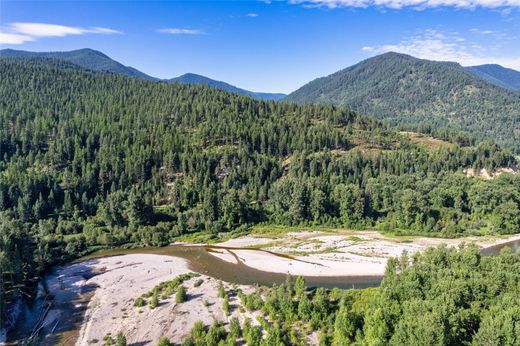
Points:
(8, 38)
(19, 33)
(181, 31)
(252, 15)
(500, 35)
(442, 46)
(416, 4)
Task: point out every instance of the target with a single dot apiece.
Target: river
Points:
(200, 260)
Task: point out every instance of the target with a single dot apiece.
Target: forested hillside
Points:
(408, 91)
(93, 159)
(191, 78)
(498, 75)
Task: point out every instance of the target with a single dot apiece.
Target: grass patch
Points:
(165, 290)
(365, 254)
(273, 231)
(320, 252)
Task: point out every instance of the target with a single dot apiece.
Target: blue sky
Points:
(272, 46)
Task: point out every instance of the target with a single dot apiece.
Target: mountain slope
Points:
(408, 91)
(191, 78)
(498, 75)
(86, 57)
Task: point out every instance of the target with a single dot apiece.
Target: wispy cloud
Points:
(416, 4)
(252, 15)
(445, 46)
(181, 31)
(483, 31)
(19, 33)
(497, 34)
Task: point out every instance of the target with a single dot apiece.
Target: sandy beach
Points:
(346, 253)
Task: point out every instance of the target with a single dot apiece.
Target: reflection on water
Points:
(495, 250)
(201, 261)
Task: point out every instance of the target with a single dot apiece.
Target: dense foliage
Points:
(92, 159)
(444, 296)
(409, 91)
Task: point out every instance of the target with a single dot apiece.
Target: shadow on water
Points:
(56, 315)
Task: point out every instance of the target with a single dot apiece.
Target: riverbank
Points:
(95, 297)
(341, 253)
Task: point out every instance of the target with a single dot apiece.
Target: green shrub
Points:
(181, 295)
(225, 306)
(164, 341)
(120, 339)
(140, 302)
(234, 328)
(216, 333)
(155, 300)
(221, 290)
(254, 336)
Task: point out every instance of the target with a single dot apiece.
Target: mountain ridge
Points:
(98, 61)
(85, 57)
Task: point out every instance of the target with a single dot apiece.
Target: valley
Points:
(126, 201)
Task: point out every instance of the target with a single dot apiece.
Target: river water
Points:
(495, 250)
(200, 260)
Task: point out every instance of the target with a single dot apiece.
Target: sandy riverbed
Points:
(344, 253)
(115, 283)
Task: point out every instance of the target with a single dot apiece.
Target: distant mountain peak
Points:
(498, 75)
(395, 54)
(90, 51)
(193, 78)
(84, 57)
